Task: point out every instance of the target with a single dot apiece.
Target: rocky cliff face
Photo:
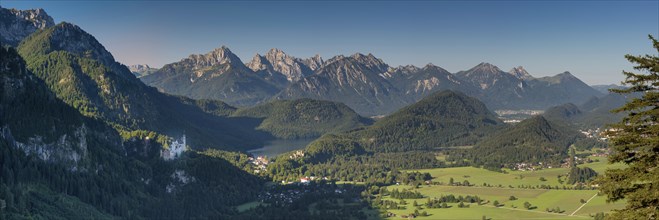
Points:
(279, 67)
(31, 116)
(68, 149)
(218, 75)
(356, 81)
(221, 55)
(140, 70)
(315, 62)
(418, 82)
(18, 24)
(520, 73)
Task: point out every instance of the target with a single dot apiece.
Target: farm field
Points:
(566, 200)
(478, 176)
(501, 186)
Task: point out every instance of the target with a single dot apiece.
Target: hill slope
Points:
(593, 114)
(559, 89)
(304, 118)
(442, 119)
(533, 140)
(57, 163)
(78, 69)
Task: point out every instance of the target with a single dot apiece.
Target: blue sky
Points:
(587, 38)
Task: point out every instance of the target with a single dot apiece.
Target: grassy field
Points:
(477, 176)
(567, 200)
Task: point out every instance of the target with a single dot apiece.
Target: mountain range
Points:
(363, 82)
(83, 136)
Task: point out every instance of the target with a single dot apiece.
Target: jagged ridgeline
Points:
(365, 83)
(304, 118)
(59, 164)
(218, 75)
(84, 74)
(442, 119)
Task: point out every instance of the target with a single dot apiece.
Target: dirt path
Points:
(582, 205)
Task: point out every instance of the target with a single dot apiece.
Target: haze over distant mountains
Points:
(363, 82)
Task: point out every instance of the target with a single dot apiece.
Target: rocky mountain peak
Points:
(485, 68)
(71, 38)
(436, 69)
(520, 73)
(565, 76)
(38, 17)
(140, 70)
(275, 61)
(139, 67)
(433, 67)
(409, 68)
(370, 61)
(277, 54)
(221, 55)
(334, 59)
(314, 63)
(258, 63)
(566, 73)
(362, 57)
(18, 24)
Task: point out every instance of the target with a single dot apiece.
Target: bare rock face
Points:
(67, 149)
(218, 75)
(276, 62)
(355, 80)
(140, 70)
(218, 56)
(209, 65)
(416, 82)
(314, 63)
(520, 73)
(18, 24)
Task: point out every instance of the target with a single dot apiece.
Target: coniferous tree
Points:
(635, 142)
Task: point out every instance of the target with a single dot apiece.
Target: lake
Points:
(277, 147)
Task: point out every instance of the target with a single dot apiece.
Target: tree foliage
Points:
(635, 142)
(304, 118)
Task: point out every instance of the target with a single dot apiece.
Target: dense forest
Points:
(442, 119)
(534, 140)
(79, 71)
(77, 168)
(304, 118)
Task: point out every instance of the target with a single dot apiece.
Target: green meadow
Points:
(569, 201)
(501, 187)
(478, 176)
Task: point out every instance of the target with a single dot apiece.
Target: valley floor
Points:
(525, 186)
(546, 190)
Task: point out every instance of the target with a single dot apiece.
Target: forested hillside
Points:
(79, 70)
(61, 164)
(303, 118)
(534, 140)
